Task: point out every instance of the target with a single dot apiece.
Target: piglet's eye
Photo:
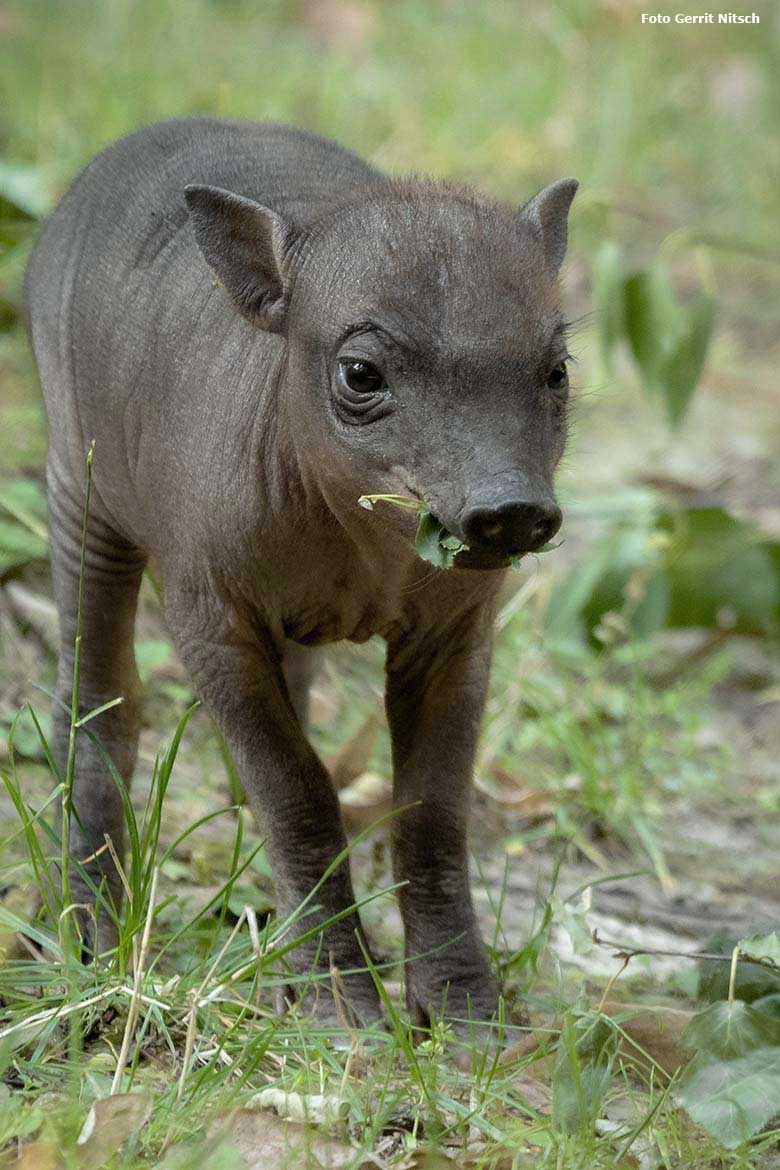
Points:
(361, 377)
(558, 376)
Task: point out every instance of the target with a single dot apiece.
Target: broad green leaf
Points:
(768, 1004)
(732, 1099)
(699, 567)
(729, 1030)
(762, 946)
(721, 574)
(669, 339)
(652, 322)
(680, 371)
(19, 1117)
(434, 543)
(25, 501)
(608, 299)
(597, 585)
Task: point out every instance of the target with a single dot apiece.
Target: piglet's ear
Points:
(548, 213)
(245, 244)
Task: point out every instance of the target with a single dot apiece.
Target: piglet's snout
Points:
(512, 526)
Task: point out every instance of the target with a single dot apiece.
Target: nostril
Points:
(483, 526)
(514, 526)
(545, 528)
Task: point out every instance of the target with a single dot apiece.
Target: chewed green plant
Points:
(433, 542)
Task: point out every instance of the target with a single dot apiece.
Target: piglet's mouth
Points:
(482, 559)
(439, 546)
(435, 543)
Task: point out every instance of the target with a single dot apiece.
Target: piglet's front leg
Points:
(436, 688)
(239, 675)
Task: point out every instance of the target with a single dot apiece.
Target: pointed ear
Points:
(245, 244)
(548, 213)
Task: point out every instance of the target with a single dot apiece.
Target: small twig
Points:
(189, 1044)
(55, 1012)
(135, 1002)
(340, 998)
(613, 981)
(109, 845)
(200, 999)
(624, 952)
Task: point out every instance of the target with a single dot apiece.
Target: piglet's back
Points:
(127, 327)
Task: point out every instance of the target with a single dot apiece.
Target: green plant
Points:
(660, 567)
(732, 1085)
(667, 338)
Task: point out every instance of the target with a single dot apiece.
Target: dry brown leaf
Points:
(266, 1142)
(354, 756)
(365, 801)
(530, 803)
(110, 1123)
(35, 1156)
(535, 1093)
(525, 1046)
(657, 1030)
(430, 1159)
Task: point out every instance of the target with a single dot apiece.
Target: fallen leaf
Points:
(524, 1047)
(110, 1123)
(534, 1092)
(531, 803)
(354, 756)
(365, 801)
(430, 1159)
(35, 1156)
(266, 1142)
(656, 1030)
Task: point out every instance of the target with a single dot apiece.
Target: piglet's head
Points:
(425, 349)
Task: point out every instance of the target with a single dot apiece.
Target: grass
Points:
(188, 1021)
(613, 754)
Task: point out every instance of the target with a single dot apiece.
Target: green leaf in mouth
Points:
(433, 542)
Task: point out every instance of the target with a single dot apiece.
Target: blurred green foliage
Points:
(681, 567)
(668, 148)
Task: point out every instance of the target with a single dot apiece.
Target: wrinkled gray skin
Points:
(198, 339)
